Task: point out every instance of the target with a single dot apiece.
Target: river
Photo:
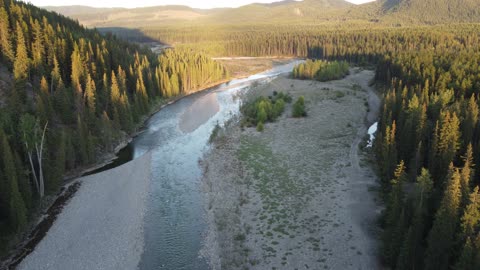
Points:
(177, 137)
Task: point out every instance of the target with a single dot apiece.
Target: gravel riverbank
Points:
(102, 226)
(298, 195)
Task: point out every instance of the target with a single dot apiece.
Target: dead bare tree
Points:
(30, 129)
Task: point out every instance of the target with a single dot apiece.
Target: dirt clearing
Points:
(240, 67)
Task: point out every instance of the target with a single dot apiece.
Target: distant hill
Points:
(403, 12)
(306, 11)
(288, 11)
(408, 12)
(137, 17)
(433, 11)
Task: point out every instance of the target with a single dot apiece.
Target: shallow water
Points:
(177, 136)
(371, 132)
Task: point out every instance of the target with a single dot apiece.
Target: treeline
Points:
(321, 70)
(181, 71)
(427, 149)
(352, 43)
(72, 95)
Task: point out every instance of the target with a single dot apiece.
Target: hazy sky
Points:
(146, 3)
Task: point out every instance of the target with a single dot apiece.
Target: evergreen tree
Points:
(441, 236)
(467, 173)
(59, 164)
(388, 152)
(449, 139)
(470, 221)
(411, 253)
(90, 96)
(21, 66)
(394, 217)
(5, 38)
(466, 261)
(470, 122)
(38, 48)
(16, 210)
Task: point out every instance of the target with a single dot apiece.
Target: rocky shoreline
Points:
(101, 227)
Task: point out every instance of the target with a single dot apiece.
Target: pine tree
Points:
(45, 109)
(467, 173)
(59, 161)
(77, 70)
(441, 236)
(56, 76)
(470, 122)
(476, 259)
(81, 141)
(24, 185)
(394, 230)
(141, 97)
(466, 261)
(38, 49)
(90, 96)
(122, 80)
(449, 139)
(5, 39)
(470, 221)
(175, 85)
(21, 66)
(411, 254)
(388, 153)
(107, 134)
(115, 94)
(17, 210)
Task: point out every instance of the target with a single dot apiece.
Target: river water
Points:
(178, 136)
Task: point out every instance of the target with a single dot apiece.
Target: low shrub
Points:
(299, 108)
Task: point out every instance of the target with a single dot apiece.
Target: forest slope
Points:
(432, 11)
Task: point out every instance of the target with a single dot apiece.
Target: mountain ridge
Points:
(389, 12)
(146, 16)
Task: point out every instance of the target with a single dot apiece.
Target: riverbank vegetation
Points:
(69, 95)
(263, 110)
(321, 70)
(299, 108)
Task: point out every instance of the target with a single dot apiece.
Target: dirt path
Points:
(298, 195)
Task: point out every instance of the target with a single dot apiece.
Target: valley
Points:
(246, 135)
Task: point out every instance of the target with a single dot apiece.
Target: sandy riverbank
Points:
(298, 195)
(102, 226)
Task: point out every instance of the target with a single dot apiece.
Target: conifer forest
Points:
(70, 94)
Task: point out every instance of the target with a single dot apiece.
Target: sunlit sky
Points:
(146, 3)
